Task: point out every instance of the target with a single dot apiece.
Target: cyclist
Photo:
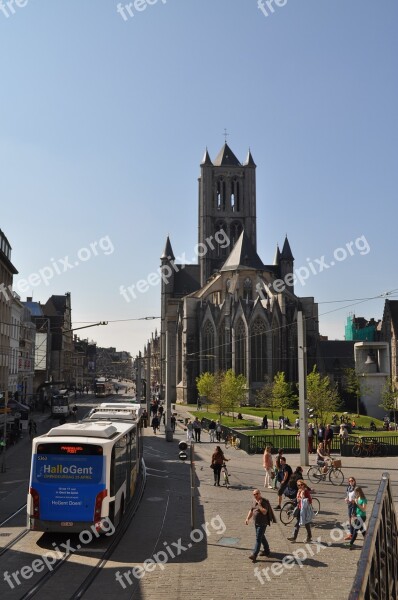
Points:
(322, 457)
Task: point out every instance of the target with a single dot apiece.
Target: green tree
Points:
(322, 396)
(282, 393)
(205, 384)
(352, 385)
(266, 399)
(389, 396)
(234, 389)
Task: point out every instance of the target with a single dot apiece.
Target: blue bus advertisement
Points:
(67, 479)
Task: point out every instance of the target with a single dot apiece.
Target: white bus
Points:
(60, 404)
(83, 473)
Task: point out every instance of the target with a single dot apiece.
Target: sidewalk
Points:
(217, 566)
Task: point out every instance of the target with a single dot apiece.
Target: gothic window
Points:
(208, 348)
(222, 228)
(276, 348)
(258, 350)
(237, 196)
(240, 349)
(236, 230)
(179, 346)
(225, 348)
(247, 289)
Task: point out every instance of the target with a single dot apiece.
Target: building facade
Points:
(230, 310)
(7, 272)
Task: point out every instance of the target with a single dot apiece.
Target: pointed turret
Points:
(277, 256)
(206, 161)
(286, 253)
(226, 158)
(249, 162)
(168, 251)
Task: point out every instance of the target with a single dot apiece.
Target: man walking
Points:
(197, 427)
(263, 515)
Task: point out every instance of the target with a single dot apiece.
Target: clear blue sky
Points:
(104, 122)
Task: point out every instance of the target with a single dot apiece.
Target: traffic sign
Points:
(183, 455)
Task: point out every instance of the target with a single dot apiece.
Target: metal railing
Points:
(377, 573)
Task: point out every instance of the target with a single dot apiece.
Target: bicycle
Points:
(232, 440)
(225, 473)
(333, 472)
(287, 515)
(370, 447)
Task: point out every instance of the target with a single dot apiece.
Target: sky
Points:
(105, 114)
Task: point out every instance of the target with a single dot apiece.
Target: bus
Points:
(60, 405)
(83, 474)
(103, 388)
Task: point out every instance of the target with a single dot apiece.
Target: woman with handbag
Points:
(217, 461)
(303, 511)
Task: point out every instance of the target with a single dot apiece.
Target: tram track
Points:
(57, 576)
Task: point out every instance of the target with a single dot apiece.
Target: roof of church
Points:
(393, 308)
(243, 255)
(187, 280)
(277, 256)
(286, 251)
(226, 158)
(168, 251)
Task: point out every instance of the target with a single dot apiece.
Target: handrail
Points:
(377, 573)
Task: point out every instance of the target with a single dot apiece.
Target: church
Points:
(230, 310)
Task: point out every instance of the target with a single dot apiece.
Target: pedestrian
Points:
(311, 434)
(144, 418)
(212, 430)
(263, 516)
(285, 472)
(155, 423)
(360, 516)
(292, 488)
(197, 428)
(277, 468)
(160, 410)
(264, 424)
(217, 461)
(173, 423)
(321, 434)
(218, 431)
(189, 431)
(343, 433)
(297, 423)
(268, 465)
(32, 428)
(328, 439)
(350, 500)
(304, 511)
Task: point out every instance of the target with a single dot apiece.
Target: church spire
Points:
(168, 251)
(206, 159)
(277, 256)
(286, 251)
(249, 162)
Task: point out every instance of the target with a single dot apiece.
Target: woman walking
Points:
(360, 516)
(304, 504)
(217, 461)
(350, 500)
(268, 465)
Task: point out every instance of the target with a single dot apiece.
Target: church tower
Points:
(227, 206)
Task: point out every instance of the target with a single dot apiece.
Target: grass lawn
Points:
(362, 422)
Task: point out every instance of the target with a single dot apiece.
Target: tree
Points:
(204, 384)
(266, 399)
(282, 392)
(322, 396)
(353, 385)
(234, 388)
(389, 396)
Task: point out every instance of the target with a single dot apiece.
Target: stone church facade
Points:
(230, 310)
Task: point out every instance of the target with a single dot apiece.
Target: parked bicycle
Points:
(287, 513)
(368, 447)
(332, 471)
(232, 441)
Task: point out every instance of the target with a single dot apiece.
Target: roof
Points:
(243, 255)
(187, 280)
(286, 253)
(226, 158)
(168, 251)
(335, 354)
(206, 159)
(249, 162)
(35, 308)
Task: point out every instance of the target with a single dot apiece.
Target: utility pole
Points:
(169, 431)
(302, 373)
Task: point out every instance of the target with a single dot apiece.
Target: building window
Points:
(240, 349)
(247, 289)
(236, 230)
(225, 348)
(208, 348)
(258, 350)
